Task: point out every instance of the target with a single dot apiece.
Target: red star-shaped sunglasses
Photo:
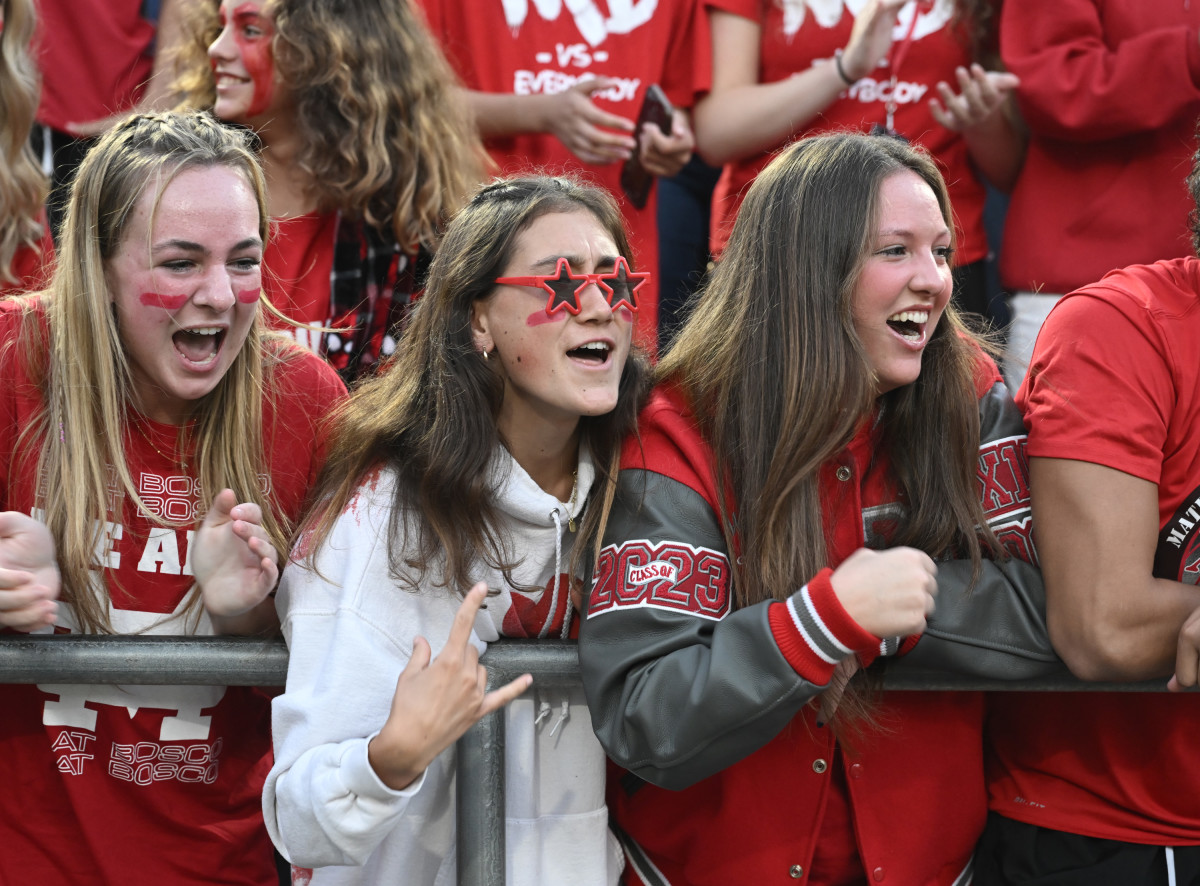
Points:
(620, 285)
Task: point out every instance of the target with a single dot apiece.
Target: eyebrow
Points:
(551, 262)
(905, 232)
(189, 246)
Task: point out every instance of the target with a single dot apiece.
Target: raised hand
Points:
(981, 94)
(233, 559)
(29, 579)
(888, 593)
(591, 134)
(436, 702)
(871, 38)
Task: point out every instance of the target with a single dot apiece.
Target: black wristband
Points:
(837, 63)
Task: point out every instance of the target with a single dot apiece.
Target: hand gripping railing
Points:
(236, 661)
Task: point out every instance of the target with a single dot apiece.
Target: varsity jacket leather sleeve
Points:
(674, 695)
(680, 686)
(996, 626)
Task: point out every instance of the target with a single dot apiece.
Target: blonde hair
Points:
(386, 136)
(23, 186)
(79, 364)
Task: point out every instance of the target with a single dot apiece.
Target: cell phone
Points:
(636, 181)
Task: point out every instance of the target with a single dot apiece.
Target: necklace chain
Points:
(571, 503)
(175, 458)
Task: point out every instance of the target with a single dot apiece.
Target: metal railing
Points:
(230, 661)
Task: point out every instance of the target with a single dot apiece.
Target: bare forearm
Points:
(743, 121)
(1134, 638)
(499, 114)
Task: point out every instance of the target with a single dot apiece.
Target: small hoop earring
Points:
(485, 354)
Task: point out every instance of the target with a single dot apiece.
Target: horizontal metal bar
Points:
(150, 661)
(249, 661)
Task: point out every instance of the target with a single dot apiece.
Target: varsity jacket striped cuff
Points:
(814, 632)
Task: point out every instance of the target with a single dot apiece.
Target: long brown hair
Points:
(386, 135)
(781, 383)
(431, 416)
(83, 374)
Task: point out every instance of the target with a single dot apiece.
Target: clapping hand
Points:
(29, 579)
(234, 561)
(981, 94)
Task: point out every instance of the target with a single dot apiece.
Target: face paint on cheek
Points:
(248, 296)
(623, 313)
(162, 300)
(256, 56)
(538, 318)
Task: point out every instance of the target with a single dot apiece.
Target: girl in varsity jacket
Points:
(830, 474)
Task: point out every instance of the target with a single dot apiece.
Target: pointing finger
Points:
(464, 619)
(498, 698)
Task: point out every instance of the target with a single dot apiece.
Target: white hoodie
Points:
(350, 634)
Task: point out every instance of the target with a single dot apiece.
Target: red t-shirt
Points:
(149, 785)
(498, 48)
(792, 43)
(1110, 90)
(95, 56)
(32, 266)
(1115, 382)
(296, 270)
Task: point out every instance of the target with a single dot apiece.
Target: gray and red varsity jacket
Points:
(707, 706)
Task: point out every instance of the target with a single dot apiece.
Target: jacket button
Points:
(878, 875)
(843, 473)
(796, 872)
(819, 766)
(856, 770)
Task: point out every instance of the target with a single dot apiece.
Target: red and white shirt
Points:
(149, 785)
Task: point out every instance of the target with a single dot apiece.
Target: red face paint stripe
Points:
(256, 55)
(537, 318)
(162, 300)
(248, 296)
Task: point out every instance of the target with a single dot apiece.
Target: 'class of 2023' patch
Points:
(668, 575)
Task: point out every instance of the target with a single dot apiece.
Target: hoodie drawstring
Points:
(557, 572)
(564, 714)
(544, 710)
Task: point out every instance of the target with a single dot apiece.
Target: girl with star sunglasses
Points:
(469, 468)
